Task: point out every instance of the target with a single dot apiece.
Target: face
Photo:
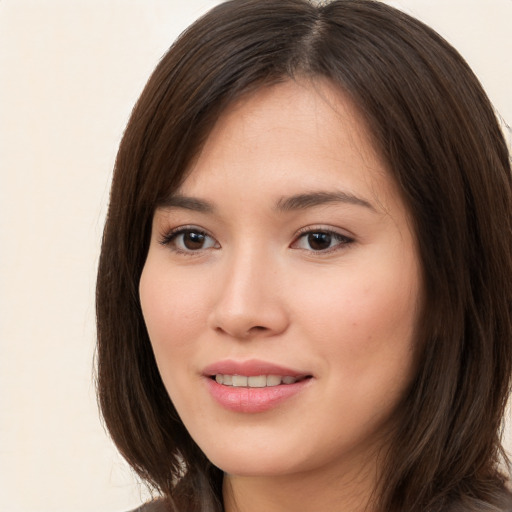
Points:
(282, 287)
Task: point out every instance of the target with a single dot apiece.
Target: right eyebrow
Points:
(187, 203)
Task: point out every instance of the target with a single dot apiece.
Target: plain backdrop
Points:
(70, 72)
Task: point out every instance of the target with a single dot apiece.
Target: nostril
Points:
(256, 329)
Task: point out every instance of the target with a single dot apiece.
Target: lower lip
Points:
(253, 400)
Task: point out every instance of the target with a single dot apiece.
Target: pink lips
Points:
(250, 399)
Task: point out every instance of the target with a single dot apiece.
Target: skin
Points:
(259, 287)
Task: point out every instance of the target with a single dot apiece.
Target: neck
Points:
(319, 491)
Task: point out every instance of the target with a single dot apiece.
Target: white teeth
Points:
(239, 381)
(273, 380)
(257, 381)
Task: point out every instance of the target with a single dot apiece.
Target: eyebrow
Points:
(284, 204)
(311, 199)
(187, 203)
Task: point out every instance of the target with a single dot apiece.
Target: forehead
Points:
(305, 135)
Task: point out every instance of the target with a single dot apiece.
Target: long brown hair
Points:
(434, 125)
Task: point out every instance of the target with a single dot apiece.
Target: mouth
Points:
(254, 386)
(256, 381)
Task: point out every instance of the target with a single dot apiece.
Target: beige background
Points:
(70, 71)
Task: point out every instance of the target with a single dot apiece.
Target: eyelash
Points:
(169, 239)
(342, 240)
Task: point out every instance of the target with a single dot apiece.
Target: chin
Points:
(254, 462)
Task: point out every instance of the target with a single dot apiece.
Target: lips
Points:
(251, 368)
(253, 386)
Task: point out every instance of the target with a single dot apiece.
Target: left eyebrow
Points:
(311, 199)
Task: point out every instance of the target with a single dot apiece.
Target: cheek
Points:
(174, 313)
(172, 306)
(366, 316)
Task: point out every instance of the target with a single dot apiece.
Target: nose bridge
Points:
(248, 299)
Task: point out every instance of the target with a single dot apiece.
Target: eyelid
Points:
(166, 238)
(324, 228)
(348, 239)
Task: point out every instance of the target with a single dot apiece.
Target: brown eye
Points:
(193, 241)
(321, 241)
(189, 240)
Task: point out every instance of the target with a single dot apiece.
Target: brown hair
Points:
(435, 127)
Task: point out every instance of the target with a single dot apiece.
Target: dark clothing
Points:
(159, 506)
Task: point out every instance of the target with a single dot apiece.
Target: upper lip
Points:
(250, 368)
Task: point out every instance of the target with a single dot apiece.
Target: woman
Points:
(304, 296)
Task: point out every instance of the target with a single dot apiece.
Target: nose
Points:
(250, 301)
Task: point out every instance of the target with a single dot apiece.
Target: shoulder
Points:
(507, 502)
(502, 502)
(152, 506)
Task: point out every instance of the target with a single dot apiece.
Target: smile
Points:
(257, 381)
(254, 386)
